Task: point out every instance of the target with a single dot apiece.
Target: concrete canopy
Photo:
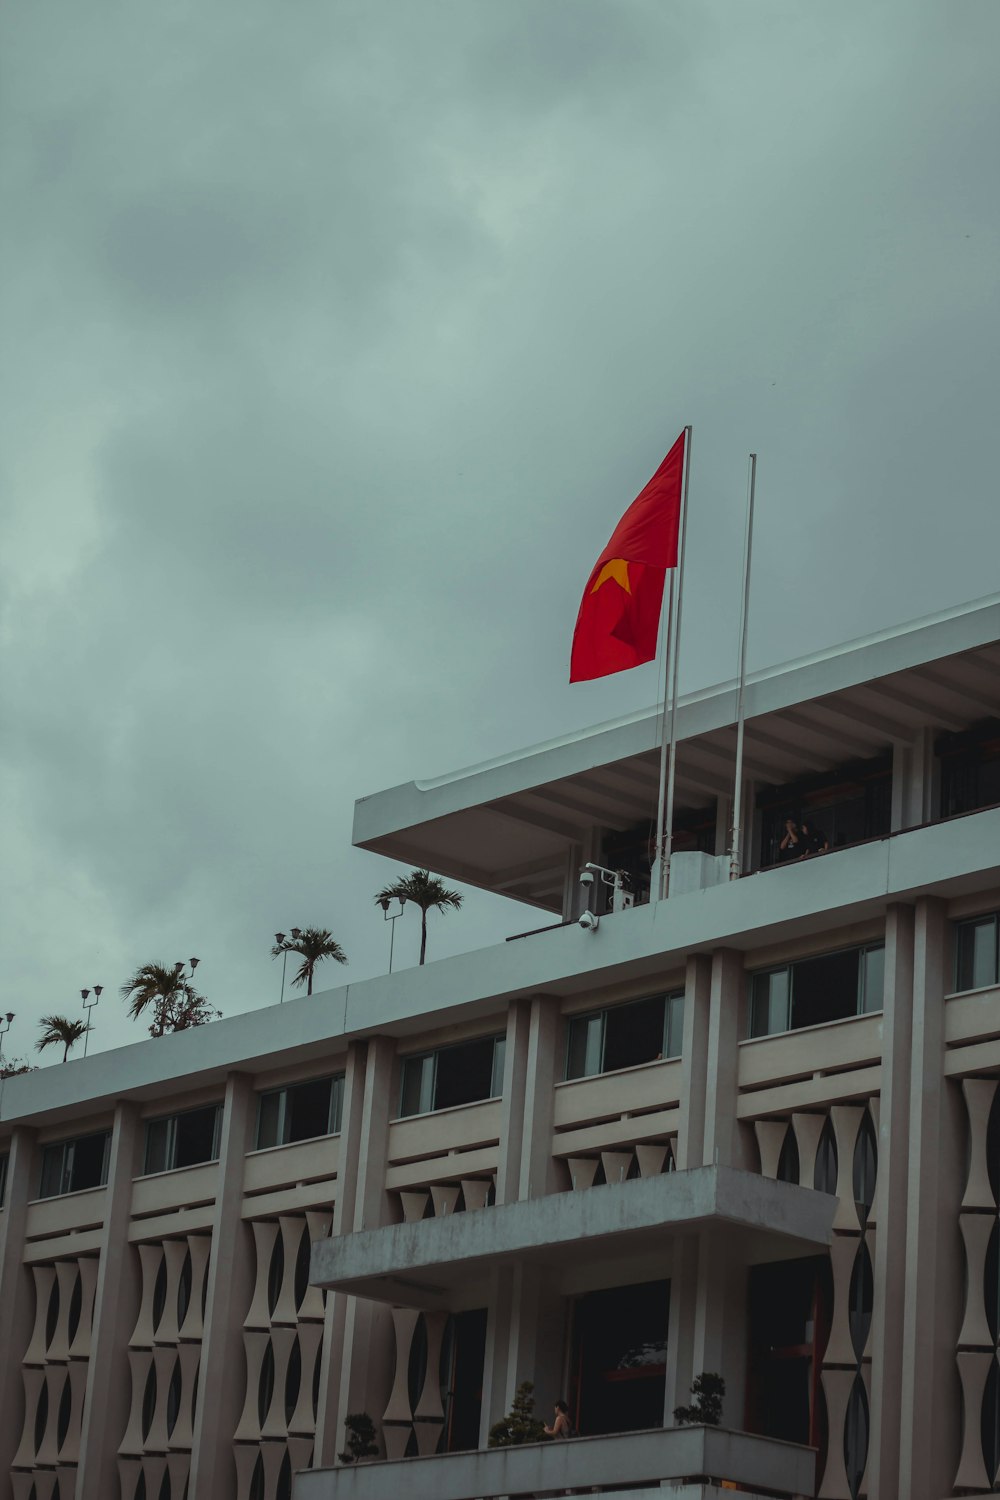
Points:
(526, 814)
(424, 1264)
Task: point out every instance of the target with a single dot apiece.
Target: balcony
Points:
(638, 1461)
(430, 1262)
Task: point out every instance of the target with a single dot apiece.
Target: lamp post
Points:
(88, 1006)
(279, 938)
(385, 902)
(4, 1028)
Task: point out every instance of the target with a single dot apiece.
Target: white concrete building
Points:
(753, 1129)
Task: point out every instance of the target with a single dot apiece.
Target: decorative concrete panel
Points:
(475, 1192)
(164, 1363)
(56, 1377)
(875, 1110)
(174, 1255)
(150, 1261)
(616, 1164)
(291, 1228)
(582, 1171)
(69, 1453)
(770, 1141)
(189, 1357)
(313, 1305)
(67, 1276)
(979, 1094)
(651, 1157)
(973, 1368)
(80, 1344)
(976, 1230)
(179, 1469)
(200, 1249)
(140, 1363)
(255, 1344)
(846, 1120)
(836, 1391)
(444, 1196)
(265, 1232)
(282, 1343)
(404, 1322)
(808, 1129)
(129, 1470)
(843, 1253)
(33, 1378)
(247, 1457)
(44, 1278)
(303, 1418)
(414, 1205)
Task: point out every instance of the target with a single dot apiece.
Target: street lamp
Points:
(279, 938)
(384, 902)
(4, 1028)
(88, 1006)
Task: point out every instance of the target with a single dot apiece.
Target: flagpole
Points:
(676, 596)
(656, 883)
(736, 841)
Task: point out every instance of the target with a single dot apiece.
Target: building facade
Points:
(752, 1129)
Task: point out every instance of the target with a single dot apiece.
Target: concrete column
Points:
(116, 1305)
(694, 1061)
(328, 1439)
(525, 1340)
(367, 1342)
(932, 1294)
(890, 1234)
(680, 1326)
(515, 1073)
(724, 1141)
(543, 1067)
(15, 1296)
(230, 1287)
(572, 889)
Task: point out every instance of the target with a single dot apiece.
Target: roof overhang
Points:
(512, 824)
(435, 1261)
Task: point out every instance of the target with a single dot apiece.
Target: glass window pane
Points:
(977, 964)
(873, 981)
(52, 1171)
(415, 1093)
(194, 1136)
(337, 1105)
(499, 1058)
(583, 1053)
(825, 988)
(308, 1110)
(673, 1029)
(769, 1003)
(269, 1119)
(157, 1134)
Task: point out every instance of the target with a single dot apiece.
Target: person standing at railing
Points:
(792, 845)
(814, 840)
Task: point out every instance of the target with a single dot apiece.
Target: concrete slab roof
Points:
(510, 824)
(428, 1262)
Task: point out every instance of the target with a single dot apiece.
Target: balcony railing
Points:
(692, 1455)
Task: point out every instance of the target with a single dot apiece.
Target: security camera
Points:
(586, 876)
(588, 921)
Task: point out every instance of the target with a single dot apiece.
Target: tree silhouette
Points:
(313, 944)
(177, 1006)
(425, 891)
(60, 1031)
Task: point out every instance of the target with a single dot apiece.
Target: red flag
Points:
(620, 611)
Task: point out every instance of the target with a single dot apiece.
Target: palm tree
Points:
(313, 944)
(425, 891)
(60, 1029)
(175, 1001)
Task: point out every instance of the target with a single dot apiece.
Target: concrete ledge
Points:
(419, 1264)
(693, 1456)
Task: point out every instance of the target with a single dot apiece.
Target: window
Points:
(624, 1035)
(462, 1074)
(976, 953)
(300, 1112)
(812, 991)
(970, 768)
(183, 1140)
(71, 1166)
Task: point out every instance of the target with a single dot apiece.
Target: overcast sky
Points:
(336, 338)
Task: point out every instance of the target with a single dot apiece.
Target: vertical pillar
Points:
(913, 781)
(15, 1296)
(929, 1395)
(572, 889)
(890, 1233)
(116, 1303)
(365, 1373)
(694, 1062)
(680, 1325)
(334, 1320)
(230, 1287)
(515, 1073)
(539, 1175)
(724, 1143)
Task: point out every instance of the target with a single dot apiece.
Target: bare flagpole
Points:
(736, 841)
(664, 827)
(667, 629)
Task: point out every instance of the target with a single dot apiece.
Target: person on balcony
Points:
(561, 1427)
(814, 839)
(792, 845)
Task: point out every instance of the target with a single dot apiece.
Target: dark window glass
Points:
(825, 988)
(976, 953)
(865, 1167)
(300, 1112)
(970, 768)
(308, 1110)
(157, 1145)
(769, 1002)
(65, 1408)
(825, 1170)
(174, 1398)
(53, 1158)
(293, 1380)
(75, 1306)
(464, 1073)
(72, 1166)
(861, 1299)
(788, 1161)
(276, 1273)
(673, 1027)
(184, 1286)
(196, 1136)
(302, 1267)
(873, 980)
(623, 1036)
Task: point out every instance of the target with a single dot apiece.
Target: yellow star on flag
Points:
(617, 571)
